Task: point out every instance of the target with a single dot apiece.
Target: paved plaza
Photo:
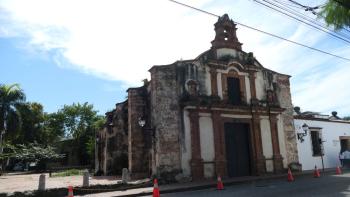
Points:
(27, 182)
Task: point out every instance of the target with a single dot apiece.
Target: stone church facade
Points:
(221, 113)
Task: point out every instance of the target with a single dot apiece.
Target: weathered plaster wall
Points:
(203, 78)
(247, 87)
(285, 101)
(186, 153)
(225, 51)
(165, 112)
(219, 85)
(260, 86)
(207, 81)
(207, 143)
(266, 142)
(281, 139)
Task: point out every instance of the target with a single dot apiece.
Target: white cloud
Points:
(111, 39)
(121, 40)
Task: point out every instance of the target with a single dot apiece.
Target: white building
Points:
(324, 134)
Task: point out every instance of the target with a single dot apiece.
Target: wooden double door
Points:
(238, 153)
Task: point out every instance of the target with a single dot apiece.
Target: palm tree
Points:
(11, 96)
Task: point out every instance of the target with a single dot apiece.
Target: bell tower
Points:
(226, 37)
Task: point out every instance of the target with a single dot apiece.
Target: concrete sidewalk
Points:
(199, 185)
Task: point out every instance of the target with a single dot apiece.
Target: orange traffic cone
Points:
(290, 176)
(338, 170)
(316, 173)
(220, 185)
(70, 191)
(155, 188)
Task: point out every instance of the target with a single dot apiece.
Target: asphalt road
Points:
(330, 185)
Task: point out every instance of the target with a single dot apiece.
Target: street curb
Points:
(230, 182)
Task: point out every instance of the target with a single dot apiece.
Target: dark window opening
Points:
(233, 91)
(344, 145)
(316, 143)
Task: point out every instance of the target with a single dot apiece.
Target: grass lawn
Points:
(71, 172)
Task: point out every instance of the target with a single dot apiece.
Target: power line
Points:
(264, 32)
(317, 14)
(200, 10)
(313, 20)
(307, 8)
(344, 32)
(300, 20)
(290, 5)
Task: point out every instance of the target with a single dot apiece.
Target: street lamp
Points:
(142, 122)
(303, 132)
(149, 136)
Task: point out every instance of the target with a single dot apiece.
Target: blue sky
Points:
(90, 51)
(43, 81)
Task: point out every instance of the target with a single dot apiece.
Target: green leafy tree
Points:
(36, 125)
(31, 152)
(337, 13)
(32, 127)
(11, 97)
(79, 121)
(54, 126)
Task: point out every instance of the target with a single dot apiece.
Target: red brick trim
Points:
(277, 158)
(252, 77)
(259, 156)
(196, 161)
(220, 160)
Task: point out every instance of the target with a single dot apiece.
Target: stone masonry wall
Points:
(285, 100)
(166, 120)
(138, 155)
(114, 142)
(117, 142)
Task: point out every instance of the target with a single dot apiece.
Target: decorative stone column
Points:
(220, 160)
(277, 158)
(259, 156)
(196, 161)
(214, 82)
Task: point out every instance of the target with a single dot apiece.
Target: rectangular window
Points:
(233, 91)
(316, 143)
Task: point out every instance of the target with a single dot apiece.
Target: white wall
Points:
(331, 131)
(281, 140)
(266, 142)
(219, 83)
(260, 86)
(207, 144)
(247, 89)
